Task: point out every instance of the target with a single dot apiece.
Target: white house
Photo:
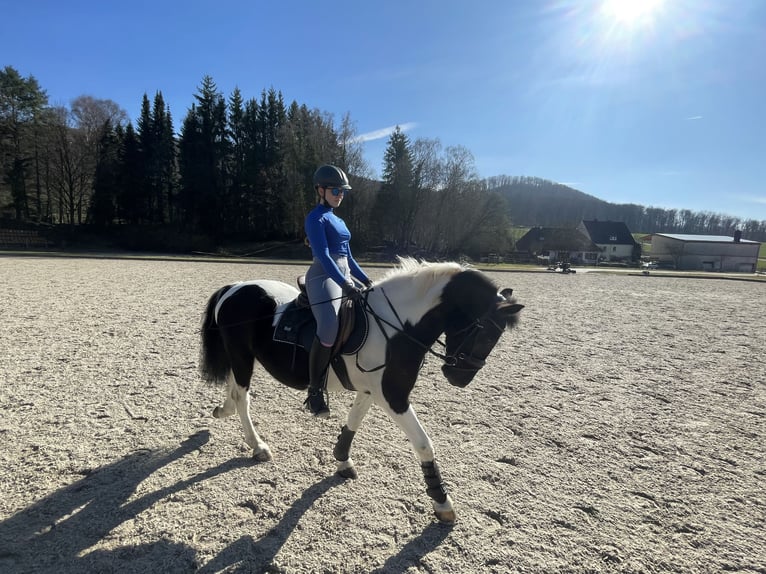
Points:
(613, 238)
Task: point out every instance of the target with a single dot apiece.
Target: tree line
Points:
(239, 170)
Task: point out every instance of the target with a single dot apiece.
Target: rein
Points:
(449, 360)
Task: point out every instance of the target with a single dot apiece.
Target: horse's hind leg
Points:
(421, 444)
(342, 448)
(238, 399)
(229, 406)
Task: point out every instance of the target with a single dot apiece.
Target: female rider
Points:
(329, 278)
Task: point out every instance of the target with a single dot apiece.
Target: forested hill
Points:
(533, 201)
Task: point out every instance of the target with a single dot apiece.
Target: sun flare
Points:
(631, 12)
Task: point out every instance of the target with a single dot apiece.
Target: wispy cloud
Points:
(383, 132)
(692, 118)
(752, 199)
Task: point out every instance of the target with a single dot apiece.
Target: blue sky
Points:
(655, 102)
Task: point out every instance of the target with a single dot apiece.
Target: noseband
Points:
(473, 363)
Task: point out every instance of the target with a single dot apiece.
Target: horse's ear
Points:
(506, 303)
(509, 308)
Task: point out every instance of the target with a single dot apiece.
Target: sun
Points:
(631, 12)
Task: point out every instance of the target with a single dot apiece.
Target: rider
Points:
(329, 277)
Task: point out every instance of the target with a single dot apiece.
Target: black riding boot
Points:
(319, 361)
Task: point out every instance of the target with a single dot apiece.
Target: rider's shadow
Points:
(53, 534)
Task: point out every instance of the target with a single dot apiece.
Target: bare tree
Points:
(77, 133)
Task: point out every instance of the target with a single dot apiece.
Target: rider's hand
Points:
(352, 292)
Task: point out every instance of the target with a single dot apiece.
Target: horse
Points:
(408, 310)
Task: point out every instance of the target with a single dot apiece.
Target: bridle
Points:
(451, 360)
(474, 363)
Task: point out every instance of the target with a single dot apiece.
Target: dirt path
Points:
(620, 429)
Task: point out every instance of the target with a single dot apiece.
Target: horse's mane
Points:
(412, 266)
(425, 273)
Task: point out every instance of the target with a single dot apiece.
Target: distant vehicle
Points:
(650, 265)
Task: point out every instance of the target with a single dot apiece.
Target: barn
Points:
(706, 252)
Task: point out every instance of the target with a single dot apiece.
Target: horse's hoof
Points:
(448, 518)
(217, 412)
(445, 512)
(346, 469)
(263, 455)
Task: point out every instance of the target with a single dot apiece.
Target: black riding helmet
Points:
(331, 176)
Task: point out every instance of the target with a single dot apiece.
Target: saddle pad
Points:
(358, 336)
(295, 325)
(291, 321)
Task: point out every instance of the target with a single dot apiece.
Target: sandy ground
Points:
(619, 429)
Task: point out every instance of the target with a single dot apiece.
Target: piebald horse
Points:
(408, 310)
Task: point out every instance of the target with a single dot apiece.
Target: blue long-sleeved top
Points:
(327, 235)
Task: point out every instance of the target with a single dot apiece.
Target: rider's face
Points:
(330, 198)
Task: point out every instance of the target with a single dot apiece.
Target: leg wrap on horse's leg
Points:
(434, 482)
(343, 446)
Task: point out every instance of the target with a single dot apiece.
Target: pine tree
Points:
(396, 204)
(147, 160)
(103, 207)
(271, 203)
(21, 104)
(239, 143)
(203, 161)
(165, 159)
(131, 196)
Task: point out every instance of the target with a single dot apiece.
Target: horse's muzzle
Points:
(457, 376)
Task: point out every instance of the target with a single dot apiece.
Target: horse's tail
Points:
(214, 363)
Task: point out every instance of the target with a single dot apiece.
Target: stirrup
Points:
(315, 402)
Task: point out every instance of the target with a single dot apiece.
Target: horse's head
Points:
(475, 327)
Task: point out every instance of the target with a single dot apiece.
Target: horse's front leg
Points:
(359, 409)
(421, 444)
(238, 399)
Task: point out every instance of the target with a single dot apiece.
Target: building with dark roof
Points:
(554, 244)
(613, 239)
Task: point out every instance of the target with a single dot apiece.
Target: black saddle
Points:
(297, 325)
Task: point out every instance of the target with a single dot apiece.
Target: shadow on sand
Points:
(55, 533)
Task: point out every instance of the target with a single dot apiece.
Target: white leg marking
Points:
(424, 448)
(240, 398)
(229, 406)
(359, 409)
(356, 414)
(409, 423)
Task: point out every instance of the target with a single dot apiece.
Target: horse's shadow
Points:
(261, 553)
(258, 556)
(55, 533)
(412, 552)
